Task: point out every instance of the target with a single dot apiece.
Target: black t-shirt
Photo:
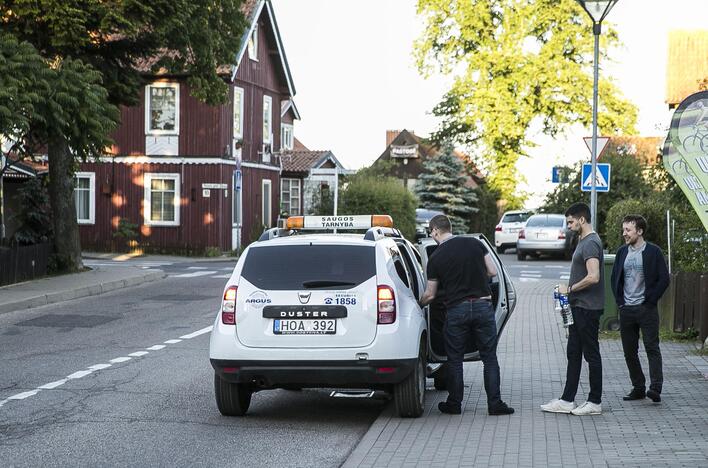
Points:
(458, 266)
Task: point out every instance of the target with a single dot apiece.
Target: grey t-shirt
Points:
(634, 276)
(592, 297)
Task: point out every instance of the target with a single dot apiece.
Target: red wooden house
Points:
(193, 176)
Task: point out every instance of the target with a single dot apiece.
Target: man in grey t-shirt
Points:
(586, 294)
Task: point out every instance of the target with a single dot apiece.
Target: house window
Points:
(267, 119)
(253, 44)
(161, 206)
(266, 199)
(286, 136)
(85, 197)
(162, 109)
(290, 196)
(238, 113)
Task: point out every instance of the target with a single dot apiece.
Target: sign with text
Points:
(409, 151)
(337, 222)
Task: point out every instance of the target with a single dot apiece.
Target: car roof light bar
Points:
(338, 222)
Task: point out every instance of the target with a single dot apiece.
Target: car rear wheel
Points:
(409, 395)
(520, 255)
(500, 249)
(232, 399)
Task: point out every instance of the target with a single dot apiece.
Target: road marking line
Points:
(565, 277)
(138, 353)
(120, 359)
(55, 384)
(79, 374)
(227, 269)
(526, 275)
(23, 395)
(172, 341)
(530, 271)
(528, 280)
(198, 332)
(157, 347)
(195, 274)
(99, 366)
(221, 276)
(196, 268)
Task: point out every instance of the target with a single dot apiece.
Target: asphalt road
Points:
(124, 379)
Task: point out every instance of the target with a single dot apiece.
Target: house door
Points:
(236, 211)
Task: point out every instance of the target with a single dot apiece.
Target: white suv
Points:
(506, 233)
(332, 311)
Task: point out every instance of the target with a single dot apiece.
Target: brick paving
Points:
(532, 359)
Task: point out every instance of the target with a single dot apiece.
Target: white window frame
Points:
(148, 177)
(266, 220)
(267, 130)
(238, 113)
(92, 197)
(287, 143)
(253, 44)
(161, 84)
(290, 196)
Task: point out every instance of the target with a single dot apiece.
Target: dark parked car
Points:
(422, 218)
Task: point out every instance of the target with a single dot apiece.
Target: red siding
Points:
(204, 222)
(129, 137)
(204, 130)
(252, 201)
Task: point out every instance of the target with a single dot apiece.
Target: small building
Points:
(307, 174)
(408, 152)
(193, 176)
(16, 173)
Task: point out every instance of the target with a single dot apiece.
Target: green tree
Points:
(366, 193)
(105, 45)
(517, 65)
(627, 181)
(442, 186)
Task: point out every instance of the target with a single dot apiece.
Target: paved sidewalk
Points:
(532, 359)
(55, 289)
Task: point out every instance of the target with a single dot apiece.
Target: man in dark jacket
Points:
(639, 279)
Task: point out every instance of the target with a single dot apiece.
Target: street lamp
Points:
(598, 10)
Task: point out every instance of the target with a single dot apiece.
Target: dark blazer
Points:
(656, 275)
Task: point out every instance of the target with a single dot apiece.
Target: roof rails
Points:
(272, 233)
(377, 233)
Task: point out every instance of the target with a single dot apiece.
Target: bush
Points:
(369, 194)
(653, 208)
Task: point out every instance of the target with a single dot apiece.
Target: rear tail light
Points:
(228, 306)
(386, 307)
(561, 234)
(522, 234)
(498, 228)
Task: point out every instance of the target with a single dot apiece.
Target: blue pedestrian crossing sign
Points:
(602, 178)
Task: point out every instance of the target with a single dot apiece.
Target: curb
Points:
(79, 292)
(362, 449)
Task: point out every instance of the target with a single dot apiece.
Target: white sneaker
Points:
(558, 406)
(587, 408)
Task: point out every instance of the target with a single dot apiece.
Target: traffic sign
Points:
(601, 144)
(555, 177)
(602, 178)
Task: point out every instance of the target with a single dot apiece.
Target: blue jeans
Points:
(465, 321)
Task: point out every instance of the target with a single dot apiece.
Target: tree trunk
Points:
(67, 245)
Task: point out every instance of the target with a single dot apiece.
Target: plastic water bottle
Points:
(566, 313)
(556, 300)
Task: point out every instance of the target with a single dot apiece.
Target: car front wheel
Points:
(409, 395)
(232, 399)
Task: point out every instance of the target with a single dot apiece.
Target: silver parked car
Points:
(545, 234)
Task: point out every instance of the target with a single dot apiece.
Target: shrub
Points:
(653, 208)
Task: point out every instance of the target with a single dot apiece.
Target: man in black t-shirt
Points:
(461, 267)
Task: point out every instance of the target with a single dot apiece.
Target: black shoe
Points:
(655, 396)
(501, 409)
(635, 394)
(447, 408)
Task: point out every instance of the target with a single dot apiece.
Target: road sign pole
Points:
(593, 192)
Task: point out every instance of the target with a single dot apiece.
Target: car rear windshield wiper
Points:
(325, 283)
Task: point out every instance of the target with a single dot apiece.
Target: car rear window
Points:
(288, 267)
(545, 221)
(515, 217)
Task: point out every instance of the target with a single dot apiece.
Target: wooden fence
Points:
(691, 302)
(23, 263)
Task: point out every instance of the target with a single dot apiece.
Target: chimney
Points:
(391, 135)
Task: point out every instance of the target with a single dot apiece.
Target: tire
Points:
(500, 249)
(567, 255)
(232, 399)
(520, 255)
(409, 395)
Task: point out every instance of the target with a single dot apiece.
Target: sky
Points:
(355, 77)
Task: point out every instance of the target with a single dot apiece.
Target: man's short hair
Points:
(638, 220)
(578, 210)
(441, 222)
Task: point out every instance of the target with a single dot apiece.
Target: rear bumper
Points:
(505, 238)
(543, 246)
(352, 374)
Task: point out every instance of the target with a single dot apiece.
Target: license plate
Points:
(541, 235)
(304, 327)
